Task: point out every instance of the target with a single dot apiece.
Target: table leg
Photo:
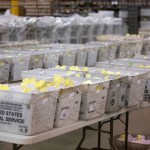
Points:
(126, 130)
(83, 138)
(99, 136)
(112, 145)
(16, 147)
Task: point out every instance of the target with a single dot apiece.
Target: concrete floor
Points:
(139, 123)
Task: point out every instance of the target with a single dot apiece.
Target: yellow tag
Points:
(40, 83)
(26, 81)
(63, 67)
(57, 85)
(57, 67)
(139, 137)
(69, 72)
(110, 72)
(118, 76)
(95, 77)
(107, 77)
(72, 68)
(141, 66)
(69, 82)
(50, 84)
(85, 69)
(99, 88)
(4, 87)
(58, 78)
(87, 82)
(1, 63)
(88, 76)
(76, 68)
(44, 89)
(123, 136)
(36, 59)
(26, 90)
(118, 73)
(104, 72)
(32, 80)
(78, 75)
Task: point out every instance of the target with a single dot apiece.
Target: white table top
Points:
(25, 140)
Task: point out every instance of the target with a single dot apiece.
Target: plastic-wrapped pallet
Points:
(94, 98)
(68, 106)
(63, 30)
(45, 29)
(117, 26)
(86, 29)
(76, 28)
(27, 113)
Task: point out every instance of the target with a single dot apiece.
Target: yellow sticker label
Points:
(139, 137)
(69, 72)
(88, 76)
(78, 75)
(85, 69)
(36, 59)
(99, 87)
(1, 63)
(123, 136)
(107, 77)
(63, 67)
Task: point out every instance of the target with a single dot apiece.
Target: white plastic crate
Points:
(68, 106)
(27, 114)
(116, 97)
(4, 69)
(107, 51)
(81, 57)
(36, 61)
(92, 55)
(67, 58)
(18, 64)
(94, 98)
(51, 59)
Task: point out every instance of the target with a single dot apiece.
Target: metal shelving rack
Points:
(80, 6)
